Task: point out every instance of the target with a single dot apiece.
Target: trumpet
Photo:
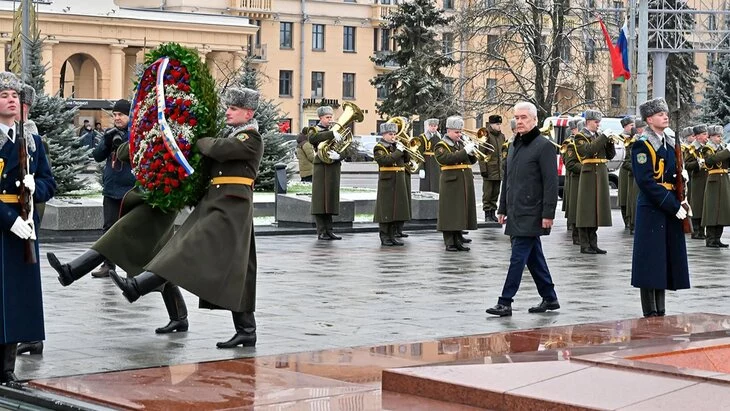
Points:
(616, 139)
(479, 140)
(415, 159)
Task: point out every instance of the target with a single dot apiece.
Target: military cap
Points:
(699, 129)
(651, 107)
(639, 123)
(626, 121)
(324, 111)
(241, 97)
(686, 132)
(495, 119)
(455, 123)
(572, 124)
(431, 122)
(9, 81)
(581, 124)
(28, 94)
(388, 128)
(715, 130)
(593, 115)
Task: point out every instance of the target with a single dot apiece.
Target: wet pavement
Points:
(318, 295)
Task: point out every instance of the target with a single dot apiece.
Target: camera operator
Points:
(118, 177)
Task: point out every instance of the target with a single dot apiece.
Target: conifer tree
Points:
(716, 102)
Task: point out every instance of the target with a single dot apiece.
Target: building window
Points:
(480, 120)
(565, 51)
(317, 84)
(348, 86)
(447, 43)
(285, 35)
(258, 32)
(491, 89)
(493, 46)
(285, 82)
(590, 91)
(615, 95)
(711, 57)
(383, 92)
(449, 87)
(590, 51)
(318, 37)
(448, 4)
(490, 3)
(384, 39)
(348, 38)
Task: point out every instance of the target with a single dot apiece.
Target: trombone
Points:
(410, 144)
(478, 138)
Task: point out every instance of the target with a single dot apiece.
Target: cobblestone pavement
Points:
(314, 295)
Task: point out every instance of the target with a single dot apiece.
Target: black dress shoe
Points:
(451, 248)
(544, 305)
(386, 242)
(323, 237)
(63, 270)
(333, 236)
(8, 379)
(462, 247)
(465, 240)
(599, 251)
(246, 340)
(173, 326)
(500, 310)
(587, 250)
(401, 235)
(32, 348)
(397, 242)
(722, 245)
(695, 236)
(712, 245)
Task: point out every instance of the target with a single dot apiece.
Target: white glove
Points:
(421, 174)
(681, 213)
(32, 227)
(469, 148)
(333, 155)
(701, 162)
(338, 136)
(689, 209)
(29, 183)
(22, 229)
(399, 146)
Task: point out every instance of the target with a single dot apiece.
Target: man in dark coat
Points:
(716, 205)
(118, 178)
(457, 203)
(138, 235)
(623, 175)
(594, 149)
(21, 302)
(391, 206)
(527, 207)
(659, 260)
(430, 171)
(325, 177)
(213, 254)
(491, 170)
(695, 165)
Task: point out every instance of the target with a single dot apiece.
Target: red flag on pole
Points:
(617, 64)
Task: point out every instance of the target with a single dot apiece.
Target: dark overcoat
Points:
(623, 175)
(697, 177)
(594, 205)
(392, 203)
(325, 177)
(457, 203)
(530, 188)
(492, 169)
(21, 297)
(430, 166)
(660, 253)
(213, 254)
(716, 206)
(572, 175)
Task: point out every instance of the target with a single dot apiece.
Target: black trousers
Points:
(111, 207)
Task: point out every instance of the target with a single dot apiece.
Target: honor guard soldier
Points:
(325, 178)
(697, 170)
(659, 260)
(392, 206)
(21, 317)
(429, 173)
(457, 205)
(716, 206)
(594, 150)
(491, 170)
(623, 175)
(572, 177)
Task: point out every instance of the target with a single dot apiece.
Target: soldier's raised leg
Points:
(77, 268)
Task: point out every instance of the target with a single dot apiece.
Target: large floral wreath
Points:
(175, 103)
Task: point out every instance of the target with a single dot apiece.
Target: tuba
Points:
(478, 138)
(350, 113)
(415, 159)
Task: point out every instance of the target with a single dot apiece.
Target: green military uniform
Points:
(698, 181)
(392, 205)
(624, 182)
(570, 192)
(457, 205)
(632, 189)
(491, 171)
(593, 203)
(716, 204)
(431, 167)
(325, 186)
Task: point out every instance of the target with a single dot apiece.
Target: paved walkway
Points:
(316, 295)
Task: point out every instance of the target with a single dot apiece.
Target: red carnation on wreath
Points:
(190, 105)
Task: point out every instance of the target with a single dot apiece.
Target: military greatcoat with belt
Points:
(632, 189)
(697, 176)
(431, 166)
(325, 177)
(21, 301)
(457, 203)
(716, 205)
(623, 175)
(660, 253)
(392, 202)
(594, 206)
(213, 254)
(572, 176)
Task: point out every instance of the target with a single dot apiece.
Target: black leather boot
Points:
(659, 297)
(133, 288)
(384, 231)
(32, 348)
(77, 268)
(648, 302)
(245, 324)
(393, 231)
(176, 309)
(399, 230)
(7, 377)
(331, 234)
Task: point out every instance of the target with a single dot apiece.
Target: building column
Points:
(239, 57)
(47, 59)
(116, 71)
(3, 43)
(210, 61)
(203, 53)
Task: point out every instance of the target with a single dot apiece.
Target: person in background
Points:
(305, 155)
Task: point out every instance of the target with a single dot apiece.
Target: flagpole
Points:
(642, 69)
(630, 87)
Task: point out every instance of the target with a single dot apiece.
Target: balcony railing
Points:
(263, 5)
(252, 8)
(315, 102)
(257, 53)
(382, 11)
